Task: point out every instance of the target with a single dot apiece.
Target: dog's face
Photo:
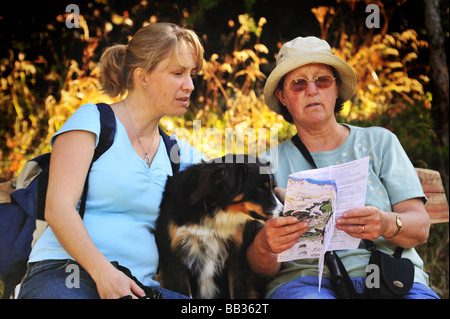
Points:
(236, 184)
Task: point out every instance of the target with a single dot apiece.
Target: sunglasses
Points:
(321, 82)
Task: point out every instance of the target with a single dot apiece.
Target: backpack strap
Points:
(42, 183)
(107, 130)
(106, 139)
(171, 144)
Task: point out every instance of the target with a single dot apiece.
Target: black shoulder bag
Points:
(386, 277)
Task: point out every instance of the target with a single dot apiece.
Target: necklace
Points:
(146, 158)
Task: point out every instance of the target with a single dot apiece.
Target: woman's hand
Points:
(370, 223)
(280, 234)
(277, 235)
(366, 222)
(113, 284)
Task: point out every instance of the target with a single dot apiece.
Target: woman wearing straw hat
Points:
(308, 87)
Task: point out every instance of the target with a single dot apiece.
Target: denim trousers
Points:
(307, 288)
(54, 279)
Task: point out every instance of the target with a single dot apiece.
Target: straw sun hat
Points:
(301, 51)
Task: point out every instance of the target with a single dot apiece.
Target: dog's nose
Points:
(278, 211)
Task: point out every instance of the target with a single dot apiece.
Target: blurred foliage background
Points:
(48, 70)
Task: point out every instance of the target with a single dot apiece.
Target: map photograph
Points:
(311, 201)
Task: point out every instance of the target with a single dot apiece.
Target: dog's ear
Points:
(208, 184)
(232, 176)
(220, 181)
(234, 179)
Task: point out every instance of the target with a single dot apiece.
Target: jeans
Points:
(54, 279)
(307, 288)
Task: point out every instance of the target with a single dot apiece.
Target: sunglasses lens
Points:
(298, 85)
(323, 82)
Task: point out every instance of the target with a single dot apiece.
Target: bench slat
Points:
(437, 205)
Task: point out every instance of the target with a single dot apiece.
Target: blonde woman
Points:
(154, 70)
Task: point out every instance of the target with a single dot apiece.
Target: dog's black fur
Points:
(206, 223)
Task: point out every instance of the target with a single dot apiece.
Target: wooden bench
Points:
(437, 205)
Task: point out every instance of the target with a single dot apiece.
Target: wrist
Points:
(99, 268)
(259, 251)
(395, 226)
(261, 260)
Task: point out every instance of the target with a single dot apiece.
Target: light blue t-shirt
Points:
(123, 199)
(392, 179)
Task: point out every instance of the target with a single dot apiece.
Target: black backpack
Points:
(19, 217)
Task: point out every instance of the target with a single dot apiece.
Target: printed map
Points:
(312, 201)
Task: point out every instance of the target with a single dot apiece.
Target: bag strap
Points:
(106, 139)
(302, 148)
(370, 246)
(42, 184)
(340, 280)
(170, 144)
(107, 130)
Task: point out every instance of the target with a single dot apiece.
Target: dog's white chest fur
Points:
(205, 246)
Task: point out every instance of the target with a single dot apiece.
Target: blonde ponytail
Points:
(111, 64)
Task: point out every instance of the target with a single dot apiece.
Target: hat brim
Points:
(345, 71)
